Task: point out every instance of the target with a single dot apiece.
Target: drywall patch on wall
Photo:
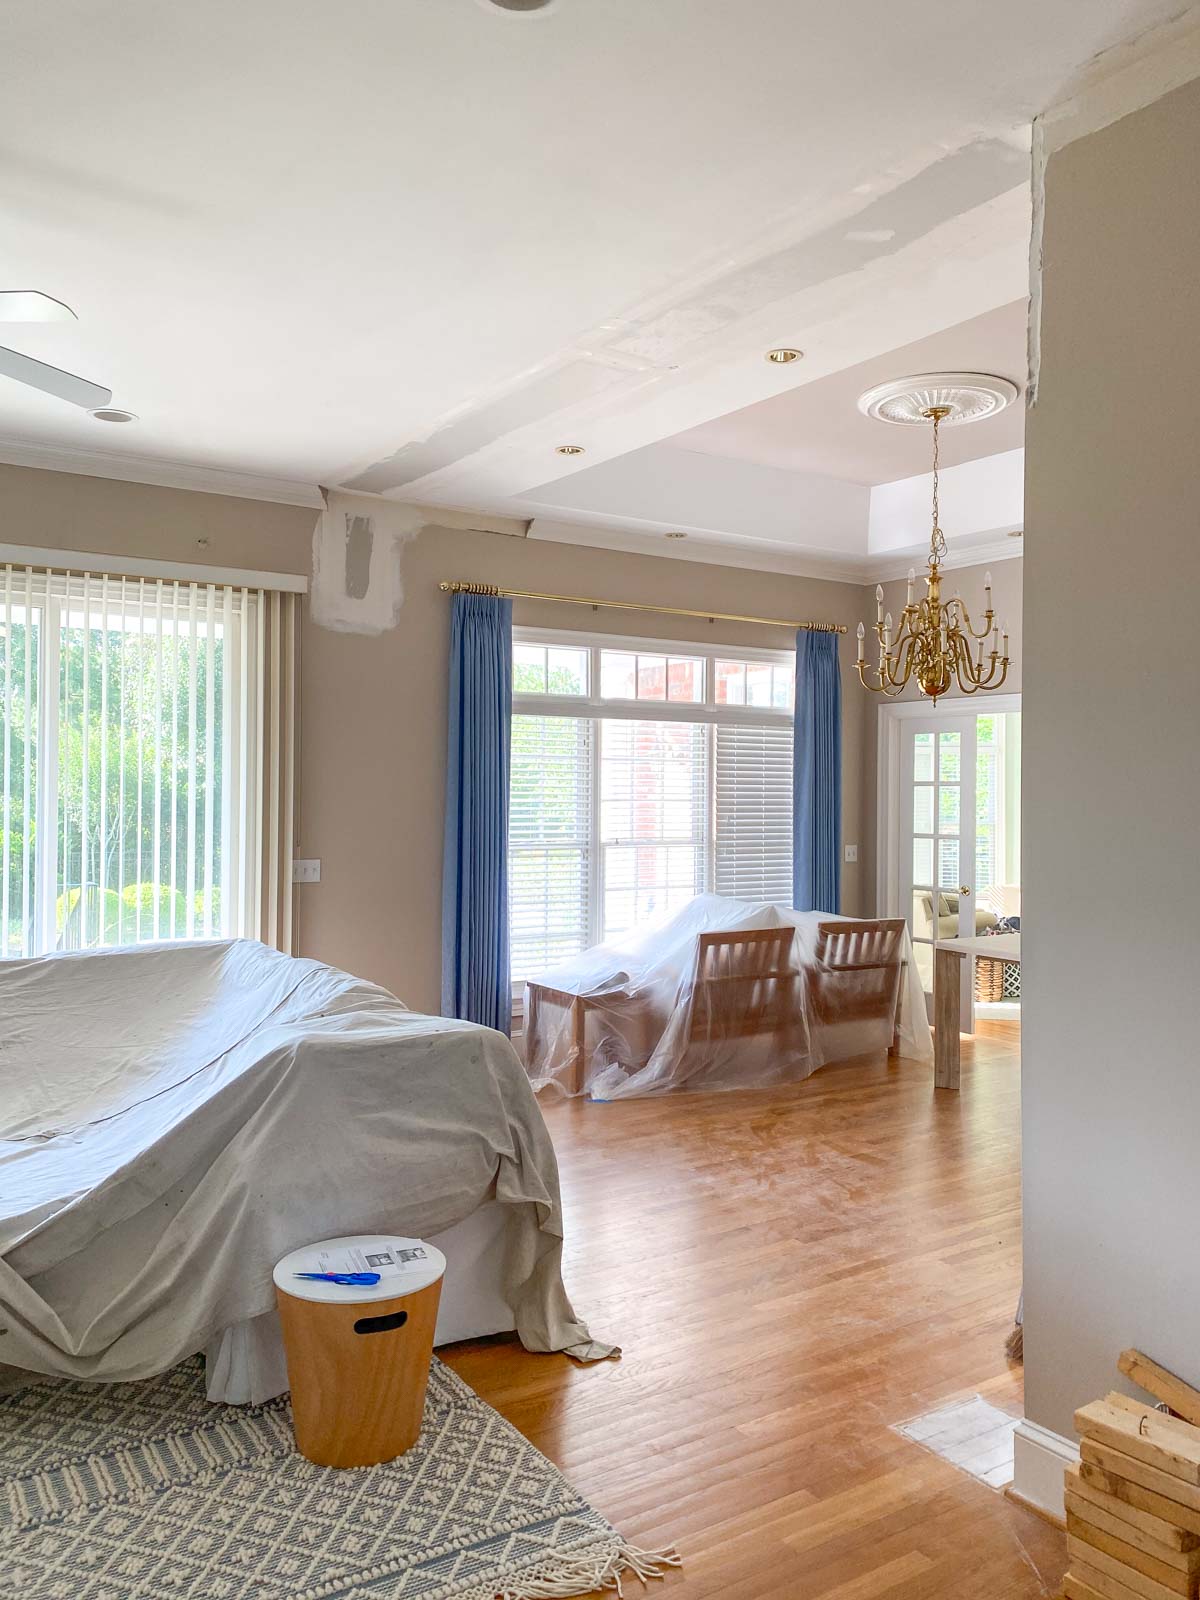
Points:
(357, 584)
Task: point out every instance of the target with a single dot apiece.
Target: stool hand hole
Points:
(393, 1320)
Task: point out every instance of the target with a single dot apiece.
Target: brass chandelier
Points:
(935, 644)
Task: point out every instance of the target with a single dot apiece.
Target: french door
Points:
(936, 840)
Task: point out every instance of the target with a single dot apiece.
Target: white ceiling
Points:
(818, 428)
(411, 245)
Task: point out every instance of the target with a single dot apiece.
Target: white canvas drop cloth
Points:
(651, 1026)
(174, 1119)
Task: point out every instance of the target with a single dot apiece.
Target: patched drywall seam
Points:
(1119, 81)
(357, 584)
(1037, 184)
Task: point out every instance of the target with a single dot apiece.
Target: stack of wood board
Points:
(1133, 1502)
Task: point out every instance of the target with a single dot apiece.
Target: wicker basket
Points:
(996, 980)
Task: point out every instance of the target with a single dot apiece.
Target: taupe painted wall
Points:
(373, 767)
(372, 762)
(968, 581)
(1112, 768)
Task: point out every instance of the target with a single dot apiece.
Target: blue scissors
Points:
(348, 1280)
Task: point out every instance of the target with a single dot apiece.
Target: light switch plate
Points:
(851, 852)
(306, 872)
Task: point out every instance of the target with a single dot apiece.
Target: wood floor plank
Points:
(790, 1273)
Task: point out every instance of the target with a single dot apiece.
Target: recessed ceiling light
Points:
(674, 535)
(783, 355)
(112, 414)
(568, 449)
(519, 7)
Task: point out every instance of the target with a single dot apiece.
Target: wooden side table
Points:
(948, 957)
(358, 1358)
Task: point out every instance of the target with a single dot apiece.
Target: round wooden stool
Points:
(358, 1358)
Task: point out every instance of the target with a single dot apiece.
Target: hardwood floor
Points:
(789, 1273)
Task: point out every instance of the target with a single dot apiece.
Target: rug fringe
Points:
(562, 1577)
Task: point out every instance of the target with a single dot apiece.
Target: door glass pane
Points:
(923, 926)
(949, 756)
(923, 758)
(923, 808)
(948, 863)
(948, 799)
(923, 860)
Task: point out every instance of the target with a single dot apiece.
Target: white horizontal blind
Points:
(752, 812)
(988, 809)
(128, 760)
(549, 840)
(681, 782)
(652, 818)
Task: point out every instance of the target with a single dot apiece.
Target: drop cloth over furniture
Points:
(174, 1120)
(641, 1015)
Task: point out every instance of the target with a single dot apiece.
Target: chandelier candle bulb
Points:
(912, 576)
(879, 601)
(862, 633)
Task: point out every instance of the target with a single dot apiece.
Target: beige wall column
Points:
(1112, 766)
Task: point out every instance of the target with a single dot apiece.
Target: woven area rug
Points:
(144, 1491)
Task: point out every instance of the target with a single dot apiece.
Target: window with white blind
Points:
(989, 801)
(752, 814)
(642, 774)
(549, 839)
(133, 791)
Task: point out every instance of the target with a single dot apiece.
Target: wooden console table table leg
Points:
(947, 1018)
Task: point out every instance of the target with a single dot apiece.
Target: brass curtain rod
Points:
(452, 586)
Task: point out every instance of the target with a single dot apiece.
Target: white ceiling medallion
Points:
(960, 396)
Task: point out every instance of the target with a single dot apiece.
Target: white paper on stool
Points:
(389, 1261)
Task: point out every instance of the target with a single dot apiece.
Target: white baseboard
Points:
(1040, 1458)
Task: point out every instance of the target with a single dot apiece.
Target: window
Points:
(653, 782)
(752, 839)
(130, 762)
(642, 774)
(989, 801)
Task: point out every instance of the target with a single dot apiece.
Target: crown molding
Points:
(897, 563)
(163, 474)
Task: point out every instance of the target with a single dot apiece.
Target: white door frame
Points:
(892, 715)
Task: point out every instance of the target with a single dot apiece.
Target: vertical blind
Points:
(145, 761)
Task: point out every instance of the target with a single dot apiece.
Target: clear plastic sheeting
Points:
(726, 994)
